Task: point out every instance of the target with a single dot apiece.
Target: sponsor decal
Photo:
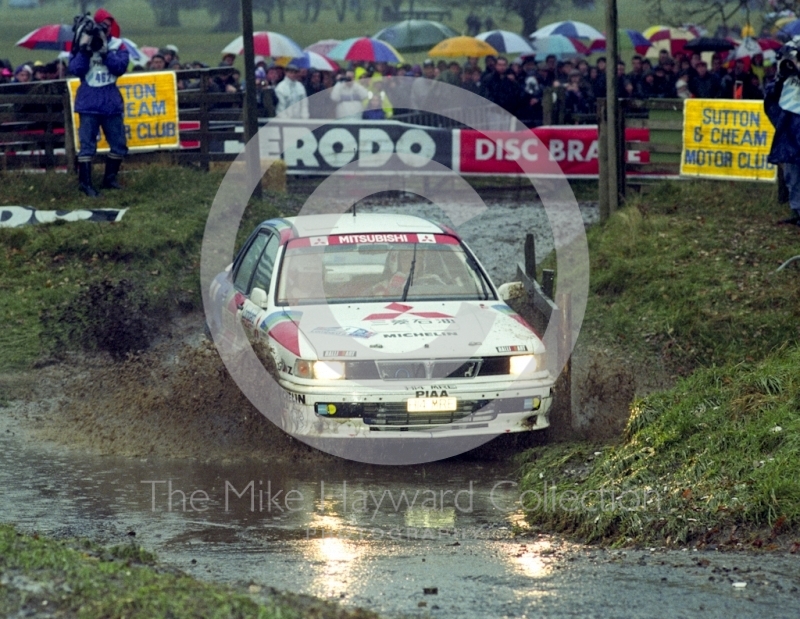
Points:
(339, 353)
(398, 309)
(344, 331)
(433, 393)
(249, 315)
(514, 348)
(282, 327)
(426, 334)
(365, 239)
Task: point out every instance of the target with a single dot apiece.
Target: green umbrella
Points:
(415, 35)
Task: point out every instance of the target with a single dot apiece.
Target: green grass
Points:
(717, 451)
(685, 276)
(156, 245)
(77, 578)
(687, 272)
(195, 40)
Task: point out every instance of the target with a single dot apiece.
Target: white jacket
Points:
(289, 93)
(349, 98)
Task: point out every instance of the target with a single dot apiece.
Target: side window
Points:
(248, 264)
(265, 266)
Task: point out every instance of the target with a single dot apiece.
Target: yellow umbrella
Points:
(456, 47)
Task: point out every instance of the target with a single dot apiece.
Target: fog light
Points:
(325, 410)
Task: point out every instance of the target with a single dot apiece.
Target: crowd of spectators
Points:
(365, 89)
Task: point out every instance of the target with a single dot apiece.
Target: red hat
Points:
(102, 15)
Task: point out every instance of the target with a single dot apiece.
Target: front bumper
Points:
(347, 410)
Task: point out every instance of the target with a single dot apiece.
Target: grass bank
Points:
(73, 271)
(685, 276)
(78, 578)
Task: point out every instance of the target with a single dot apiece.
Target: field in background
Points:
(196, 41)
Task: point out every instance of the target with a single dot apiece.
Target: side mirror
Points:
(259, 297)
(506, 291)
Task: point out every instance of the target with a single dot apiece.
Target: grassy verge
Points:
(47, 269)
(78, 578)
(686, 276)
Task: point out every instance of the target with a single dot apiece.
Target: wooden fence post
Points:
(602, 159)
(530, 256)
(69, 134)
(561, 419)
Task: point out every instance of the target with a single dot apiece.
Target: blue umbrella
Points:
(788, 30)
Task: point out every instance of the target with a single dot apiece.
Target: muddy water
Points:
(347, 532)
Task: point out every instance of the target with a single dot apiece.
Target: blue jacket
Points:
(786, 143)
(98, 92)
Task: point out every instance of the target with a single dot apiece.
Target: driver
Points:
(396, 272)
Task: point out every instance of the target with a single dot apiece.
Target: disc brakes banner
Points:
(726, 139)
(150, 111)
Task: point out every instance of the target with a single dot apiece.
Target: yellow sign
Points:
(150, 111)
(726, 139)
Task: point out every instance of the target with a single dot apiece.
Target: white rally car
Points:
(380, 324)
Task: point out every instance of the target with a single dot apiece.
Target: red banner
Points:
(574, 148)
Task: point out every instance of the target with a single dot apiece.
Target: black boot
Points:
(110, 176)
(85, 179)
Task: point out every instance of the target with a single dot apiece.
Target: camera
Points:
(88, 36)
(787, 68)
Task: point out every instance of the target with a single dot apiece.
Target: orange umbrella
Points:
(457, 47)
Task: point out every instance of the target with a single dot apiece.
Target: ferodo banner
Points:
(321, 150)
(150, 111)
(726, 139)
(574, 148)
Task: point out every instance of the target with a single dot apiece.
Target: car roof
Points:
(347, 223)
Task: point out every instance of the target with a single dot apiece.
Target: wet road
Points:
(375, 537)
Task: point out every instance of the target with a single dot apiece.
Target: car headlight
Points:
(328, 370)
(522, 363)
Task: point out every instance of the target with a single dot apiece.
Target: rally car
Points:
(380, 324)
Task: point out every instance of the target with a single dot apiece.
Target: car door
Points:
(241, 275)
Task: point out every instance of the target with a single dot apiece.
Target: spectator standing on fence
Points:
(348, 95)
(98, 59)
(782, 105)
(292, 96)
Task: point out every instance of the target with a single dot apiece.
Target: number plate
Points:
(428, 405)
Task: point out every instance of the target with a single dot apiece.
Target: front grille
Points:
(432, 370)
(395, 414)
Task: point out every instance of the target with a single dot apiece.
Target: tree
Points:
(531, 11)
(701, 12)
(166, 12)
(229, 13)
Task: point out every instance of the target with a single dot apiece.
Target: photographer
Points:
(98, 58)
(782, 105)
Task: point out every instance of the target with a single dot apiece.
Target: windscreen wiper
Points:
(410, 274)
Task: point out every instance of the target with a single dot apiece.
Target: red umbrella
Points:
(55, 37)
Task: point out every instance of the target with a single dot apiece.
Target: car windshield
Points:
(378, 267)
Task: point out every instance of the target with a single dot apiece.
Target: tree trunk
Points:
(530, 18)
(281, 8)
(230, 19)
(84, 6)
(341, 9)
(167, 14)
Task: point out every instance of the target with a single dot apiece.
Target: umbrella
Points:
(415, 35)
(365, 48)
(310, 60)
(457, 47)
(750, 47)
(559, 46)
(709, 44)
(322, 47)
(786, 32)
(55, 37)
(571, 29)
(506, 42)
(266, 44)
(628, 39)
(671, 39)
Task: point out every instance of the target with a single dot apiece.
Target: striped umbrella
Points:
(786, 32)
(322, 47)
(670, 39)
(366, 49)
(415, 35)
(266, 44)
(559, 46)
(55, 37)
(628, 40)
(506, 42)
(310, 60)
(571, 29)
